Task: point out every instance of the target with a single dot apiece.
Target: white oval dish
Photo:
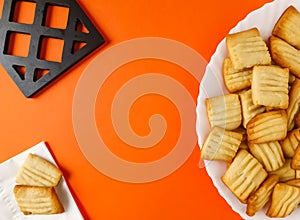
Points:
(212, 85)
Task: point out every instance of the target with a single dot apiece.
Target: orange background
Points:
(188, 193)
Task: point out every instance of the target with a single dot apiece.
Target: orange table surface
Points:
(187, 193)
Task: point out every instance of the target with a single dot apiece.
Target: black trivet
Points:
(28, 72)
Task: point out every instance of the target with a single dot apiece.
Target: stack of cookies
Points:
(35, 192)
(256, 128)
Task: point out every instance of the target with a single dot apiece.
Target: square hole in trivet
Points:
(17, 44)
(41, 39)
(22, 8)
(51, 49)
(56, 16)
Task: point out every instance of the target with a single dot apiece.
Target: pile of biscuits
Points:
(256, 127)
(35, 192)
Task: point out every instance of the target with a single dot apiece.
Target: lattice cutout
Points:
(34, 71)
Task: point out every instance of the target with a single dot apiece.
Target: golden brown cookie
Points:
(285, 55)
(270, 86)
(37, 200)
(261, 196)
(247, 49)
(235, 80)
(221, 144)
(285, 199)
(268, 126)
(37, 171)
(290, 143)
(286, 172)
(288, 27)
(224, 111)
(293, 109)
(244, 175)
(269, 154)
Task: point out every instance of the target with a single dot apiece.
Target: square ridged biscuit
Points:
(261, 196)
(290, 143)
(36, 171)
(288, 27)
(270, 86)
(235, 80)
(224, 111)
(269, 154)
(221, 144)
(37, 200)
(285, 172)
(285, 199)
(247, 49)
(244, 175)
(285, 55)
(267, 126)
(249, 109)
(293, 109)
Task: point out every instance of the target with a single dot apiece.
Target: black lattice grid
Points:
(30, 84)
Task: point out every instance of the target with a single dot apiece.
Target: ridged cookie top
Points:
(290, 143)
(221, 145)
(285, 199)
(235, 80)
(286, 172)
(37, 200)
(288, 27)
(247, 48)
(244, 175)
(293, 108)
(262, 195)
(269, 154)
(268, 126)
(224, 111)
(270, 86)
(37, 171)
(285, 55)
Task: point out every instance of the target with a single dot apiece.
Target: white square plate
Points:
(8, 206)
